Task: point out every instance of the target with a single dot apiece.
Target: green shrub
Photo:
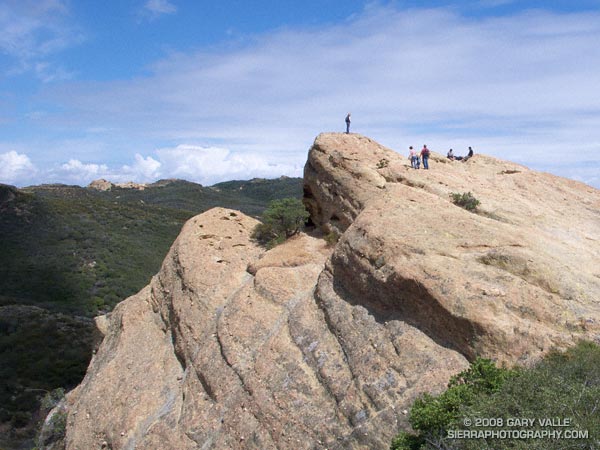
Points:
(562, 385)
(281, 220)
(51, 399)
(331, 238)
(465, 200)
(432, 415)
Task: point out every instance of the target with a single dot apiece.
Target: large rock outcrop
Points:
(308, 346)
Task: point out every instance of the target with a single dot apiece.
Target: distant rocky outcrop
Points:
(308, 346)
(104, 185)
(101, 185)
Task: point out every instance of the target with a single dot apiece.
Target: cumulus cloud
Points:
(14, 167)
(517, 86)
(77, 172)
(143, 169)
(205, 165)
(209, 165)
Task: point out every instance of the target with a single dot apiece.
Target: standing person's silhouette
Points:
(348, 123)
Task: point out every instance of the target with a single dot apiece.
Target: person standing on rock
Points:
(348, 123)
(425, 157)
(414, 159)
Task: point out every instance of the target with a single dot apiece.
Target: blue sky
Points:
(210, 91)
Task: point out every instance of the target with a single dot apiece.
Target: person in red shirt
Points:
(425, 157)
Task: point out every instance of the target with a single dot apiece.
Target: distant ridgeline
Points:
(76, 252)
(82, 250)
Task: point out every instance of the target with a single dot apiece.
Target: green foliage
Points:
(331, 238)
(77, 252)
(41, 355)
(58, 423)
(81, 251)
(482, 377)
(432, 415)
(465, 200)
(281, 220)
(562, 385)
(407, 441)
(51, 399)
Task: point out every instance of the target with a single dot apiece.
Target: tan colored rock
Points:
(131, 185)
(308, 346)
(101, 185)
(511, 282)
(210, 354)
(104, 185)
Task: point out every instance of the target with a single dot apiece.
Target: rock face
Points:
(101, 185)
(104, 185)
(308, 346)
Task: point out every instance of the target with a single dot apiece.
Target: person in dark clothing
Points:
(425, 157)
(348, 123)
(468, 155)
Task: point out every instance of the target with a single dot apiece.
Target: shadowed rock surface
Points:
(308, 346)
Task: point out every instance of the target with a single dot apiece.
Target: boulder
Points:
(313, 346)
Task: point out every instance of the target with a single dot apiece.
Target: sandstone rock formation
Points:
(104, 185)
(511, 282)
(101, 185)
(308, 346)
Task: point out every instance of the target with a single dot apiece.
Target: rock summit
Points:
(314, 346)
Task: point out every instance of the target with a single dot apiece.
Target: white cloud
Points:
(143, 169)
(517, 86)
(32, 31)
(209, 165)
(154, 8)
(206, 165)
(76, 170)
(15, 166)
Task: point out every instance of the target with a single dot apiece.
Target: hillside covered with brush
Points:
(70, 253)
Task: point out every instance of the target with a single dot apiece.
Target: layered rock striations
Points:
(312, 346)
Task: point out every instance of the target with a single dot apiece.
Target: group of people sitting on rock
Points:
(416, 157)
(451, 156)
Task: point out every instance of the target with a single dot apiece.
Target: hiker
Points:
(468, 155)
(348, 123)
(450, 155)
(425, 156)
(414, 158)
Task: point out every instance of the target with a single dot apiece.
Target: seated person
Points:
(468, 155)
(450, 154)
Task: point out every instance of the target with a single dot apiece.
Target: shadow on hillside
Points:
(39, 351)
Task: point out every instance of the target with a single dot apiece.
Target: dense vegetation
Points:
(69, 253)
(561, 394)
(80, 251)
(282, 219)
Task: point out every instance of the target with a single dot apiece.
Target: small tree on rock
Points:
(281, 220)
